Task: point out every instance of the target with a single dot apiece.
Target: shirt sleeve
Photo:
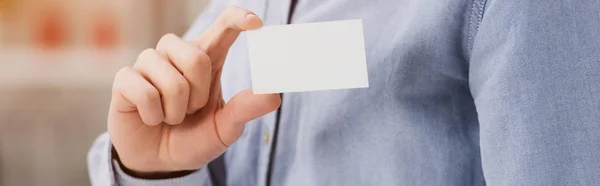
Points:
(535, 79)
(197, 178)
(104, 170)
(99, 162)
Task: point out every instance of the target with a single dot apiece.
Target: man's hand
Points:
(167, 112)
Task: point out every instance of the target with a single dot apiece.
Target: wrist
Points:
(149, 175)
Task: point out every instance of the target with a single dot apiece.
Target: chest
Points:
(417, 77)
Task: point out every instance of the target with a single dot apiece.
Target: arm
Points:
(535, 79)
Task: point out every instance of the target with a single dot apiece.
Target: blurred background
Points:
(57, 62)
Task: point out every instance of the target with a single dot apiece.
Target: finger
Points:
(217, 39)
(131, 92)
(243, 107)
(193, 63)
(172, 86)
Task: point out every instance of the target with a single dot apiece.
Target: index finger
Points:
(217, 39)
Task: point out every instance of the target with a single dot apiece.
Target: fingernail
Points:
(250, 16)
(253, 21)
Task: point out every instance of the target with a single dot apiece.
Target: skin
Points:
(167, 113)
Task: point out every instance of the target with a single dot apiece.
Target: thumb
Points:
(243, 107)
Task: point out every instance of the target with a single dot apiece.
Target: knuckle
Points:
(145, 55)
(178, 87)
(122, 72)
(149, 94)
(120, 76)
(169, 36)
(198, 59)
(165, 39)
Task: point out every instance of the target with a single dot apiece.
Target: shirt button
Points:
(267, 137)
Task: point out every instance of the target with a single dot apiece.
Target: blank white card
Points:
(308, 57)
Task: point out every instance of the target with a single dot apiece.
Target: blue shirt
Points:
(462, 92)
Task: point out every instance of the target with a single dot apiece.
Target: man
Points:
(464, 92)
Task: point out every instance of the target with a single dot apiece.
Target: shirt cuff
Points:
(193, 179)
(99, 162)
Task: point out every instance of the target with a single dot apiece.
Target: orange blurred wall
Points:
(40, 32)
(57, 62)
